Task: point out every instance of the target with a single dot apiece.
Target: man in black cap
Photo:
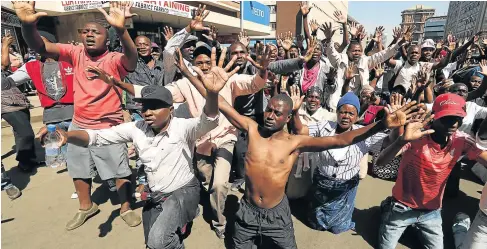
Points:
(165, 146)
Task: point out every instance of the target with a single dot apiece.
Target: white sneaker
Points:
(74, 195)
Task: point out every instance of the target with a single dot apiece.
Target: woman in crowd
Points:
(301, 175)
(335, 182)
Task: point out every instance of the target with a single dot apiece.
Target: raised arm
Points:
(333, 55)
(342, 19)
(296, 125)
(7, 40)
(25, 11)
(305, 11)
(391, 120)
(119, 12)
(413, 131)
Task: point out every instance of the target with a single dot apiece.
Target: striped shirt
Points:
(425, 168)
(343, 163)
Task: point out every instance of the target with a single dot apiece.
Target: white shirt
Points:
(343, 163)
(474, 112)
(405, 76)
(340, 62)
(449, 69)
(167, 156)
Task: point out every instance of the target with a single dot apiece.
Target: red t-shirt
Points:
(425, 167)
(97, 105)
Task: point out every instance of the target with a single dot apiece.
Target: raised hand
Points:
(423, 76)
(98, 73)
(379, 70)
(296, 97)
(168, 33)
(198, 17)
(314, 26)
(26, 12)
(341, 18)
(7, 40)
(304, 8)
(396, 33)
(397, 102)
(263, 58)
(361, 34)
(414, 130)
(378, 34)
(212, 34)
(439, 44)
(287, 42)
(244, 38)
(354, 29)
(179, 62)
(483, 67)
(218, 76)
(119, 11)
(401, 116)
(407, 34)
(311, 49)
(328, 30)
(350, 72)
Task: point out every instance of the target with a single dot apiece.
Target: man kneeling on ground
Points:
(165, 146)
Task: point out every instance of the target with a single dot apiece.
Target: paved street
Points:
(37, 219)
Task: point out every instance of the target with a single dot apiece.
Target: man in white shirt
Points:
(406, 70)
(165, 145)
(354, 55)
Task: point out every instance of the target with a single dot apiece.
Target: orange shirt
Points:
(97, 105)
(425, 167)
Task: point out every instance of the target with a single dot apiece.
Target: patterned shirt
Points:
(343, 163)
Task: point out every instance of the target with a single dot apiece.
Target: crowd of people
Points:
(295, 121)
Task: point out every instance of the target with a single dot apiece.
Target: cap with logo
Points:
(155, 93)
(449, 104)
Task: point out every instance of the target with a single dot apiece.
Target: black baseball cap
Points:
(154, 94)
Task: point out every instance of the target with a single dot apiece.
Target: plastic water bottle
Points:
(51, 143)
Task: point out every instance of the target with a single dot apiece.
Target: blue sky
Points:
(388, 14)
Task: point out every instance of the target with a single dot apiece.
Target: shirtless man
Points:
(264, 209)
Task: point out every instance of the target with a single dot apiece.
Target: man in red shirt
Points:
(426, 163)
(96, 104)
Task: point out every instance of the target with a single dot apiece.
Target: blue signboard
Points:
(254, 11)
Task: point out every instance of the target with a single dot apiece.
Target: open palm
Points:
(199, 16)
(414, 130)
(400, 117)
(218, 76)
(296, 97)
(25, 11)
(116, 15)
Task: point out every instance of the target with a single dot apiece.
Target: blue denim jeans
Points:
(396, 217)
(63, 125)
(473, 238)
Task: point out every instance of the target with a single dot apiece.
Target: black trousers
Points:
(24, 135)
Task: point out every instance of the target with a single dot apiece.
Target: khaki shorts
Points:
(111, 161)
